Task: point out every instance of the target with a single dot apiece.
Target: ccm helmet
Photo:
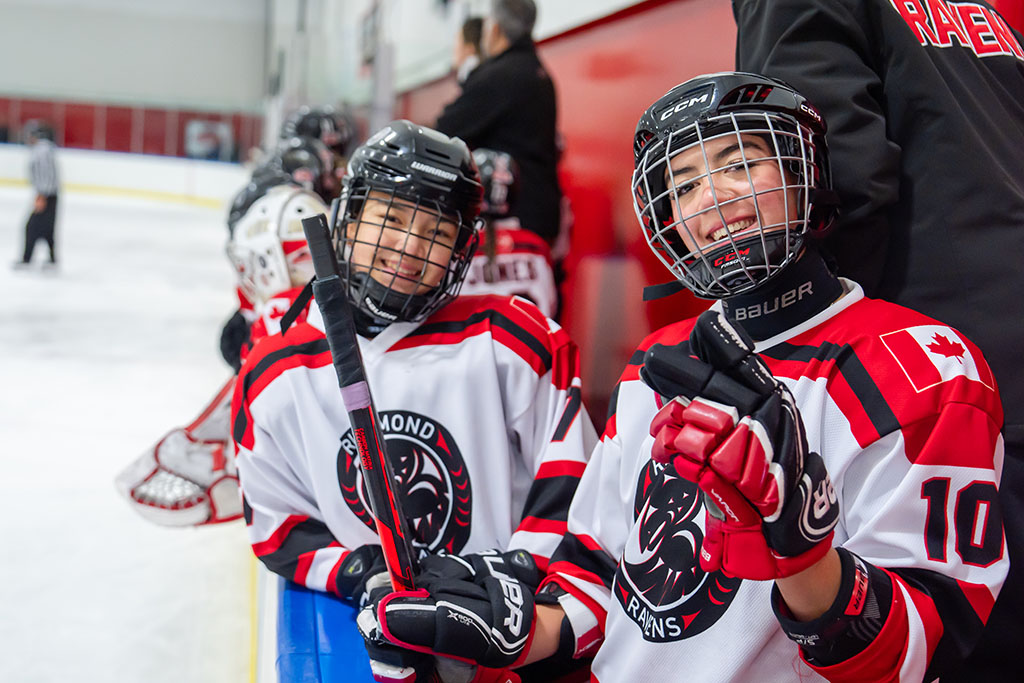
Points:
(406, 226)
(713, 136)
(268, 248)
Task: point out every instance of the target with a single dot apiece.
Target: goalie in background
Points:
(511, 260)
(479, 400)
(189, 477)
(850, 446)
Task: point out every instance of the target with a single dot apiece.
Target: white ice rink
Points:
(97, 361)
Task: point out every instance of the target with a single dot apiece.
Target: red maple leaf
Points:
(947, 348)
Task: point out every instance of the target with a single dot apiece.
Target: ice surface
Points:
(97, 361)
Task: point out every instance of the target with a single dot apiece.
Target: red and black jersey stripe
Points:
(290, 548)
(961, 623)
(513, 323)
(867, 394)
(547, 504)
(269, 359)
(583, 557)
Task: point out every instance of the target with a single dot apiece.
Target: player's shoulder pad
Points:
(302, 346)
(511, 321)
(670, 335)
(919, 364)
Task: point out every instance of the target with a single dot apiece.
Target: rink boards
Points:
(304, 636)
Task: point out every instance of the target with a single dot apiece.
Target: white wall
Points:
(202, 54)
(421, 31)
(204, 183)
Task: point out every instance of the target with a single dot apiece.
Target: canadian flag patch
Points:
(932, 354)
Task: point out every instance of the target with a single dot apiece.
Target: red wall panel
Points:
(154, 131)
(6, 130)
(79, 125)
(118, 129)
(34, 109)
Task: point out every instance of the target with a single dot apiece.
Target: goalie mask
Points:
(269, 248)
(731, 176)
(406, 224)
(263, 179)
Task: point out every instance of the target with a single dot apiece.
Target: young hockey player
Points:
(189, 477)
(332, 126)
(800, 483)
(478, 397)
(511, 260)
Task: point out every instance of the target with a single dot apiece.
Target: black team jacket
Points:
(508, 104)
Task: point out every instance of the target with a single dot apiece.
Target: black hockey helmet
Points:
(499, 174)
(415, 242)
(332, 126)
(731, 110)
(309, 163)
(263, 179)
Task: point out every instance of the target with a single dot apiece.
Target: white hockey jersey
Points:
(905, 414)
(480, 407)
(521, 266)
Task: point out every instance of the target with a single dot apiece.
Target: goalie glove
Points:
(735, 431)
(475, 608)
(183, 481)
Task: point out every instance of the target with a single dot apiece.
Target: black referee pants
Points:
(41, 226)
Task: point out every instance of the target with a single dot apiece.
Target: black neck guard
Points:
(367, 325)
(803, 289)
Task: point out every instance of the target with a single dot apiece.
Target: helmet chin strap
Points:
(799, 291)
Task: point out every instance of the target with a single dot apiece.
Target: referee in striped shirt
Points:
(42, 172)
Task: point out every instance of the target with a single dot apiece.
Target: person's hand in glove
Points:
(735, 431)
(362, 572)
(477, 608)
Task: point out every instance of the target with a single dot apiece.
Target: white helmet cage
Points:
(733, 264)
(268, 248)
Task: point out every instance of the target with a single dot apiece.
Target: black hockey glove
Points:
(362, 572)
(233, 337)
(735, 431)
(475, 608)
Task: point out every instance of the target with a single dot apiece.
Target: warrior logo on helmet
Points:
(659, 582)
(432, 476)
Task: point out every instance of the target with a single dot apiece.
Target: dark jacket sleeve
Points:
(476, 109)
(824, 50)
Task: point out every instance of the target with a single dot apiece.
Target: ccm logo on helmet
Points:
(434, 171)
(811, 112)
(683, 104)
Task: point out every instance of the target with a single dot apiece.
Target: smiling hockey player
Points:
(478, 397)
(849, 447)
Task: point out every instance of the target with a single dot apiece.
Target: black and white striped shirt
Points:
(42, 168)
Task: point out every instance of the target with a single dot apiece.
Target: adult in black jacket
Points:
(508, 104)
(925, 104)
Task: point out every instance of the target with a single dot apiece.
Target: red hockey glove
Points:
(476, 608)
(735, 431)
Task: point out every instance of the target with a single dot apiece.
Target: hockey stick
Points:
(340, 330)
